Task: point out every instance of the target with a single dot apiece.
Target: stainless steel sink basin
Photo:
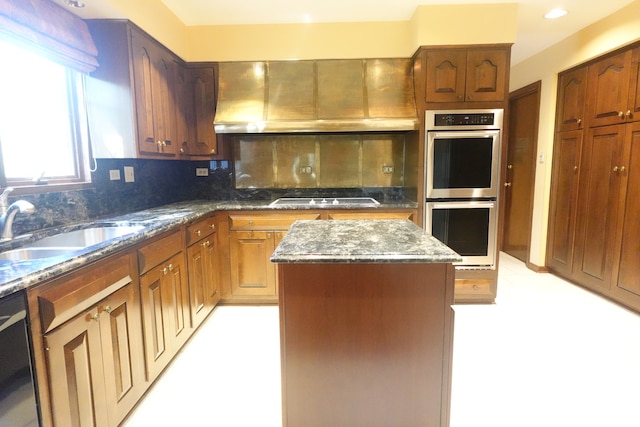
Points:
(25, 254)
(326, 202)
(80, 239)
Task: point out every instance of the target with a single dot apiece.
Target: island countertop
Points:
(361, 241)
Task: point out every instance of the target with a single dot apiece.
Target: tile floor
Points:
(547, 354)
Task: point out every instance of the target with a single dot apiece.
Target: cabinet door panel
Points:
(609, 89)
(445, 76)
(251, 271)
(75, 373)
(634, 90)
(177, 289)
(629, 267)
(197, 281)
(163, 103)
(144, 77)
(486, 75)
(572, 88)
(155, 310)
(204, 100)
(123, 355)
(597, 209)
(562, 211)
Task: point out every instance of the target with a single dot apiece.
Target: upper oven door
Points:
(462, 164)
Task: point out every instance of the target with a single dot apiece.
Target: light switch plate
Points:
(114, 174)
(128, 174)
(202, 172)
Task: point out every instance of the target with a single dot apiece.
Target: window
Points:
(43, 137)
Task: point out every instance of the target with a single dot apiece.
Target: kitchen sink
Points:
(326, 201)
(80, 239)
(67, 242)
(26, 254)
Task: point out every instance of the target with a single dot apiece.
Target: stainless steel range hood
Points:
(351, 95)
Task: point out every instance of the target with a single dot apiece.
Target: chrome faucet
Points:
(9, 212)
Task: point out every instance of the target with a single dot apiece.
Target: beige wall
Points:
(429, 25)
(608, 34)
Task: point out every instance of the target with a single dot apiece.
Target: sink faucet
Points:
(9, 212)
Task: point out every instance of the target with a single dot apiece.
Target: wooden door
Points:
(156, 311)
(564, 201)
(486, 75)
(122, 351)
(445, 75)
(143, 79)
(628, 272)
(608, 90)
(204, 107)
(76, 378)
(251, 271)
(177, 289)
(522, 143)
(572, 89)
(598, 200)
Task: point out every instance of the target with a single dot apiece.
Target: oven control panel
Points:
(464, 119)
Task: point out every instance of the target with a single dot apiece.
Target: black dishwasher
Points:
(17, 391)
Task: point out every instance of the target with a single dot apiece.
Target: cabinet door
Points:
(634, 90)
(164, 102)
(144, 79)
(628, 276)
(122, 351)
(213, 282)
(572, 87)
(156, 312)
(445, 75)
(562, 210)
(608, 92)
(204, 107)
(183, 113)
(486, 75)
(200, 280)
(177, 288)
(599, 189)
(76, 379)
(252, 273)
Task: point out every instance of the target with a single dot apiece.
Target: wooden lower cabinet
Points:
(89, 357)
(165, 306)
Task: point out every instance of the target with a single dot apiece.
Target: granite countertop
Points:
(19, 275)
(361, 241)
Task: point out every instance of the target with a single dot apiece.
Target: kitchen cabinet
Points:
(467, 75)
(613, 95)
(252, 240)
(165, 301)
(88, 344)
(202, 263)
(572, 89)
(202, 90)
(132, 98)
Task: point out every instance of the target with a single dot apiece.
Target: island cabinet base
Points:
(366, 345)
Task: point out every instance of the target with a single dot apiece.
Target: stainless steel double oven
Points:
(462, 173)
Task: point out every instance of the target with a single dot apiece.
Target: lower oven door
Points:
(467, 227)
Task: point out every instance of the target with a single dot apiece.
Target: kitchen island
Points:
(366, 324)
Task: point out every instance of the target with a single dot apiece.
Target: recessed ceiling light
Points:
(555, 13)
(74, 3)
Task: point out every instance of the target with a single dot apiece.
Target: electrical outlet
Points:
(114, 174)
(128, 174)
(306, 170)
(202, 172)
(387, 169)
(541, 158)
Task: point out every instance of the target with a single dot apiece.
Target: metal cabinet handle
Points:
(507, 184)
(628, 114)
(621, 114)
(108, 309)
(205, 244)
(198, 232)
(579, 121)
(95, 317)
(213, 226)
(575, 168)
(615, 169)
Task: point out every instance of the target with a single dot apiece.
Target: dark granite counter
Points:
(18, 275)
(361, 241)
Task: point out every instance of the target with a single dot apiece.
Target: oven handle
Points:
(476, 204)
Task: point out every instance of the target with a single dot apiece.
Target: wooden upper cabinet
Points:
(634, 90)
(154, 106)
(466, 75)
(202, 87)
(608, 93)
(183, 110)
(572, 88)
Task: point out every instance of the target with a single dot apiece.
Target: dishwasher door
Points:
(17, 390)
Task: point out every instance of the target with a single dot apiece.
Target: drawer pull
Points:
(198, 232)
(206, 244)
(95, 317)
(108, 309)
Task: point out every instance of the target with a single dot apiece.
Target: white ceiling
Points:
(534, 33)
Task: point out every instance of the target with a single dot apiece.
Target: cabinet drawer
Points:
(158, 251)
(200, 229)
(267, 222)
(69, 296)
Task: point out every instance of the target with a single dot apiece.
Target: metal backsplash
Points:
(319, 161)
